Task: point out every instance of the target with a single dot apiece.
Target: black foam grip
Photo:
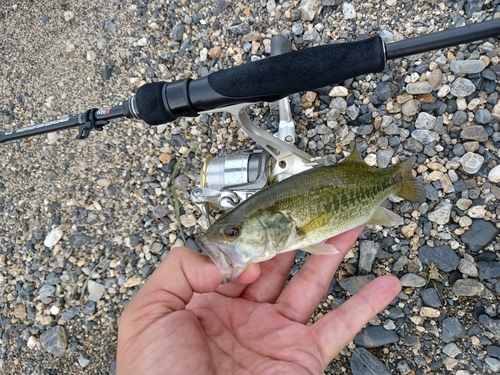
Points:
(302, 70)
(151, 107)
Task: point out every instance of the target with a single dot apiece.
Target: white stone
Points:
(441, 214)
(53, 237)
(471, 162)
(494, 175)
(338, 91)
(96, 290)
(348, 11)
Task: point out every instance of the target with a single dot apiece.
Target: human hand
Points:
(182, 321)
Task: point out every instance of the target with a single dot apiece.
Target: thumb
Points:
(171, 286)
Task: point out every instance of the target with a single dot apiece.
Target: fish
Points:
(306, 209)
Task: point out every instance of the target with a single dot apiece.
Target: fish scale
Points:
(305, 210)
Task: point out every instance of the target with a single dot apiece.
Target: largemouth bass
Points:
(305, 210)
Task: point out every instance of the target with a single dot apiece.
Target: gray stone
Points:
(482, 116)
(297, 28)
(365, 363)
(365, 129)
(410, 108)
(367, 252)
(310, 35)
(160, 211)
(178, 32)
(480, 234)
(489, 270)
(493, 364)
(82, 361)
(384, 157)
(431, 298)
(462, 87)
(353, 284)
(375, 336)
(492, 325)
(95, 290)
(441, 213)
(353, 111)
(419, 88)
(424, 136)
(451, 350)
(425, 121)
(467, 268)
(47, 291)
(467, 66)
(444, 257)
(412, 280)
(452, 329)
(55, 341)
(471, 162)
(385, 90)
(459, 117)
(78, 240)
(475, 133)
(467, 288)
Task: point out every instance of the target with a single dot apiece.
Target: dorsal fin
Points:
(355, 156)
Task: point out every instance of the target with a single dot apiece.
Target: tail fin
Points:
(409, 188)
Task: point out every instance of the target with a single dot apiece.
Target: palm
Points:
(253, 327)
(258, 338)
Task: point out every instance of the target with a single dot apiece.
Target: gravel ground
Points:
(109, 199)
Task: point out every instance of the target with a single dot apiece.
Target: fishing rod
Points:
(268, 79)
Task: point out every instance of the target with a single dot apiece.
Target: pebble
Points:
(338, 91)
(375, 336)
(468, 268)
(441, 213)
(494, 175)
(475, 133)
(452, 329)
(424, 136)
(417, 88)
(429, 312)
(444, 257)
(95, 290)
(480, 234)
(53, 237)
(467, 288)
(309, 9)
(353, 284)
(462, 87)
(412, 280)
(482, 116)
(79, 240)
(348, 11)
(411, 107)
(467, 66)
(431, 298)
(425, 121)
(451, 350)
(55, 341)
(489, 270)
(493, 364)
(82, 361)
(492, 325)
(363, 363)
(471, 162)
(464, 203)
(367, 252)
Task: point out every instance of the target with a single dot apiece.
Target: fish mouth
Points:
(216, 253)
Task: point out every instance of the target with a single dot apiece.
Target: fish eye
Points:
(232, 232)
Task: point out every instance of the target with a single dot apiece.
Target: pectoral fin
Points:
(383, 216)
(321, 248)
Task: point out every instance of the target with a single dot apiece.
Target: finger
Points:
(304, 291)
(170, 288)
(273, 275)
(237, 286)
(337, 328)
